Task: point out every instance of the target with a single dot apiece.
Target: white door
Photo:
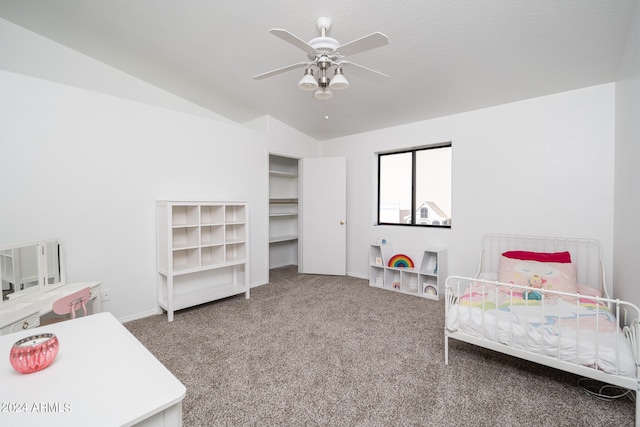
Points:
(324, 216)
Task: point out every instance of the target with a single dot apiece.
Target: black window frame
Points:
(413, 152)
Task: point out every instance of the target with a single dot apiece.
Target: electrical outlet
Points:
(105, 295)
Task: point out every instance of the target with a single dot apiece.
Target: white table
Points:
(102, 376)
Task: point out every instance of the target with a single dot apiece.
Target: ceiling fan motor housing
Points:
(325, 46)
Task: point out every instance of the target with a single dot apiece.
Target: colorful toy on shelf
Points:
(401, 260)
(396, 285)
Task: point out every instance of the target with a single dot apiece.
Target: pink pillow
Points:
(564, 257)
(556, 276)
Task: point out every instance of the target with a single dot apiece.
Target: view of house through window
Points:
(414, 187)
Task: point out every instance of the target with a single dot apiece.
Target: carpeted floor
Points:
(332, 351)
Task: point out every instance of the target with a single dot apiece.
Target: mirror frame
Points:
(49, 259)
(52, 265)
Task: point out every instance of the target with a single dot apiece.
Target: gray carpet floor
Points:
(311, 350)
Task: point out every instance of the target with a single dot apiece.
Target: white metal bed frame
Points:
(587, 255)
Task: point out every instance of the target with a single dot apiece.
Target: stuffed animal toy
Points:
(535, 282)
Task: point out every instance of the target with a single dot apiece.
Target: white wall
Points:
(627, 172)
(539, 166)
(284, 139)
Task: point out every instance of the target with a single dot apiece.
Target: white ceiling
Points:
(444, 56)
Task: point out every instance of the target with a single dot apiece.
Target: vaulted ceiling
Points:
(444, 56)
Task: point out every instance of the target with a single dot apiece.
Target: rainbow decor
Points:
(401, 260)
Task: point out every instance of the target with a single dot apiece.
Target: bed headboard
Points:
(586, 254)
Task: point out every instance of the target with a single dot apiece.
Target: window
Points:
(414, 187)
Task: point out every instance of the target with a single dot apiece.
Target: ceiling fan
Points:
(326, 53)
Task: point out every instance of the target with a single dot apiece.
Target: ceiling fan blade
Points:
(281, 70)
(371, 41)
(294, 40)
(364, 72)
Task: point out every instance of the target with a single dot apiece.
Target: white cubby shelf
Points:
(424, 280)
(202, 252)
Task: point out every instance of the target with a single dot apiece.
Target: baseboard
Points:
(137, 316)
(255, 285)
(287, 264)
(358, 275)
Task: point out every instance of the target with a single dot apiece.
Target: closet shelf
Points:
(283, 201)
(287, 238)
(283, 174)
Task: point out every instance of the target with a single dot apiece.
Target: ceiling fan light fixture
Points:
(339, 81)
(323, 93)
(308, 81)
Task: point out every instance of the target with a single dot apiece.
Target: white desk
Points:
(25, 312)
(102, 376)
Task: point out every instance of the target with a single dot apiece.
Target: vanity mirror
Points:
(29, 268)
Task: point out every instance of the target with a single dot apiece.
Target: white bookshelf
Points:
(202, 252)
(425, 279)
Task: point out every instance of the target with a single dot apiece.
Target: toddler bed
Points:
(545, 299)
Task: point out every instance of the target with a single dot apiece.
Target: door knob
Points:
(341, 222)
